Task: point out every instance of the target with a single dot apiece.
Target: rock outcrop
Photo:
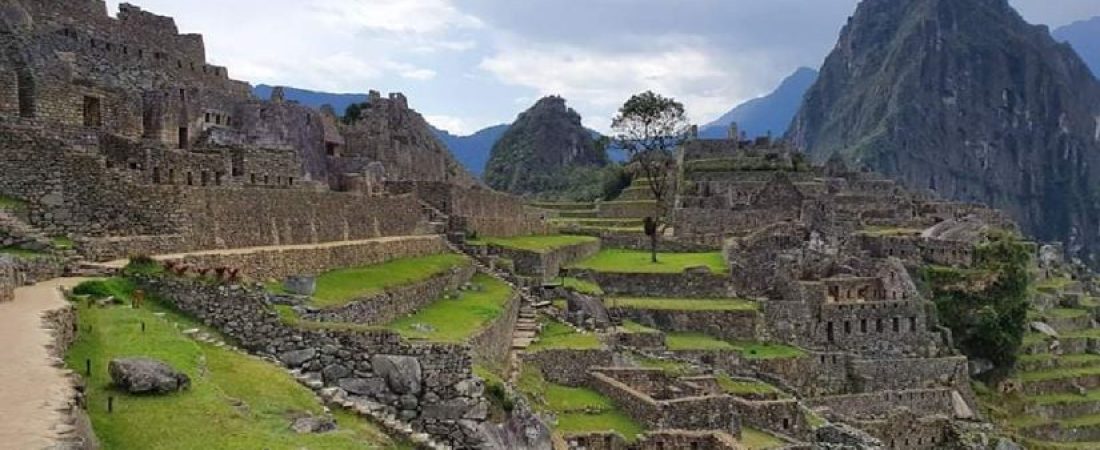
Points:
(964, 98)
(146, 376)
(537, 152)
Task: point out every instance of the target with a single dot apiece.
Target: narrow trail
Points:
(35, 390)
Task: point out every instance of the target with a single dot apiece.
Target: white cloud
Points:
(461, 126)
(404, 16)
(598, 82)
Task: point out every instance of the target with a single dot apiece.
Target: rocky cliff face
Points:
(538, 150)
(964, 98)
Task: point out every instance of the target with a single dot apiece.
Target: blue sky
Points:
(467, 64)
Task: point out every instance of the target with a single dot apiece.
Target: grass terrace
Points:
(583, 286)
(745, 387)
(683, 304)
(457, 320)
(579, 410)
(237, 401)
(556, 335)
(537, 244)
(564, 206)
(890, 231)
(749, 350)
(339, 287)
(633, 261)
(1053, 284)
(635, 327)
(758, 440)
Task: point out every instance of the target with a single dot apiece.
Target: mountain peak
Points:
(966, 98)
(1084, 37)
(545, 143)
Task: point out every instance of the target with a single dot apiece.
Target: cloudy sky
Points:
(467, 64)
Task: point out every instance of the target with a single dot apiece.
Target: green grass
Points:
(758, 440)
(683, 304)
(632, 261)
(579, 410)
(583, 286)
(1054, 374)
(1053, 284)
(537, 244)
(695, 341)
(235, 401)
(457, 320)
(1058, 399)
(62, 243)
(745, 387)
(1065, 313)
(11, 204)
(339, 287)
(635, 327)
(890, 231)
(22, 253)
(749, 350)
(556, 335)
(672, 367)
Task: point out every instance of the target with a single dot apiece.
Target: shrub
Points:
(143, 265)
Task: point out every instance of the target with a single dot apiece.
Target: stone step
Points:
(524, 335)
(521, 343)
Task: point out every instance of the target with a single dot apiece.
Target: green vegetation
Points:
(456, 320)
(339, 287)
(675, 368)
(986, 308)
(564, 206)
(631, 261)
(890, 231)
(119, 288)
(683, 304)
(12, 204)
(1065, 313)
(635, 327)
(579, 410)
(583, 286)
(749, 350)
(22, 253)
(745, 387)
(239, 402)
(758, 440)
(695, 341)
(62, 243)
(537, 244)
(1054, 284)
(556, 335)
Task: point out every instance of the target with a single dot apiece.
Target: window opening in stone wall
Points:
(156, 175)
(252, 178)
(190, 179)
(183, 95)
(183, 137)
(330, 148)
(913, 324)
(24, 79)
(205, 177)
(206, 118)
(290, 181)
(92, 114)
(897, 326)
(218, 178)
(171, 176)
(829, 331)
(267, 180)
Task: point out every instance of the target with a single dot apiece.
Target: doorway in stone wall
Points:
(93, 115)
(183, 137)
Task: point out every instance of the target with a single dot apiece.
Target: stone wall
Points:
(568, 367)
(655, 440)
(492, 345)
(430, 385)
(687, 284)
(396, 302)
(625, 210)
(545, 265)
(278, 263)
(641, 242)
(10, 279)
(476, 209)
(923, 402)
(729, 325)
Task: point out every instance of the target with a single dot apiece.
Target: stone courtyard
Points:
(786, 312)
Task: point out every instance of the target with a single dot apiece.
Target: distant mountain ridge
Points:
(1084, 36)
(771, 113)
(313, 99)
(473, 150)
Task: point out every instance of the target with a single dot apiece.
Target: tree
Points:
(985, 307)
(649, 128)
(354, 112)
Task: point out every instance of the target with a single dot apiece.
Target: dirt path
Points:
(32, 390)
(120, 263)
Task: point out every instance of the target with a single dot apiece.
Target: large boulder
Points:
(838, 436)
(402, 373)
(297, 358)
(146, 376)
(301, 284)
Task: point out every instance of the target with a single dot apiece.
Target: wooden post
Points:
(110, 404)
(88, 367)
(138, 299)
(142, 326)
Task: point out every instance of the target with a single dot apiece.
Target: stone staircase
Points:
(14, 231)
